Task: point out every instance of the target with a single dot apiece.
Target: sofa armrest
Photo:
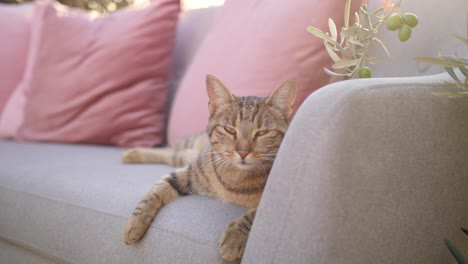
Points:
(370, 171)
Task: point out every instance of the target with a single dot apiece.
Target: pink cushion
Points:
(15, 24)
(95, 80)
(253, 47)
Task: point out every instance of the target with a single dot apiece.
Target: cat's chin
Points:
(244, 165)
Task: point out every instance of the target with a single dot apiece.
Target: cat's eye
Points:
(230, 130)
(261, 133)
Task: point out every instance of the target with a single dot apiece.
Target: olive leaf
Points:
(460, 38)
(452, 74)
(332, 53)
(449, 63)
(463, 70)
(347, 10)
(372, 60)
(345, 64)
(332, 27)
(356, 18)
(463, 229)
(365, 13)
(320, 34)
(356, 42)
(327, 71)
(441, 61)
(455, 252)
(382, 45)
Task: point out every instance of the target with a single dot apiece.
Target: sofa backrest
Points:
(436, 22)
(191, 30)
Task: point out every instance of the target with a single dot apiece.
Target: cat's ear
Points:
(284, 96)
(217, 93)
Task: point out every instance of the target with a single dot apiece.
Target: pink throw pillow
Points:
(95, 80)
(15, 28)
(252, 48)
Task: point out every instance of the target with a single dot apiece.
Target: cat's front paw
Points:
(232, 243)
(134, 230)
(133, 155)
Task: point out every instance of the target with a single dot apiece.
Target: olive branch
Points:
(348, 49)
(450, 63)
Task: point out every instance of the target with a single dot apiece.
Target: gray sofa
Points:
(370, 171)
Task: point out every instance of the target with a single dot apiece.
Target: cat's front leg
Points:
(167, 190)
(148, 155)
(234, 238)
(169, 156)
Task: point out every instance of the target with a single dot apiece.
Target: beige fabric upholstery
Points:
(370, 171)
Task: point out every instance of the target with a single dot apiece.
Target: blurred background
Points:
(109, 6)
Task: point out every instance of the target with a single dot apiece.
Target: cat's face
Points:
(247, 131)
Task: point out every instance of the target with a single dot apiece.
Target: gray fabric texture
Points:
(370, 171)
(71, 203)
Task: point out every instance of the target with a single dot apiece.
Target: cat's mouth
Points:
(247, 162)
(244, 165)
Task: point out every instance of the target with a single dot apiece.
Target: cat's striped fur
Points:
(231, 161)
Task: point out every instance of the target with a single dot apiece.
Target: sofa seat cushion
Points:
(71, 202)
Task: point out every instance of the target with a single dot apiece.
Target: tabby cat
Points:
(231, 161)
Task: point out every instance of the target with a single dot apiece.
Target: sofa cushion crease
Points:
(13, 252)
(33, 249)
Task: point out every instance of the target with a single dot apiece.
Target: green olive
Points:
(405, 33)
(410, 19)
(394, 22)
(364, 72)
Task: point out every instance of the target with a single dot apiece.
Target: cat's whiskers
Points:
(213, 161)
(265, 170)
(269, 154)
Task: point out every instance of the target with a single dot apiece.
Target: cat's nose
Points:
(243, 153)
